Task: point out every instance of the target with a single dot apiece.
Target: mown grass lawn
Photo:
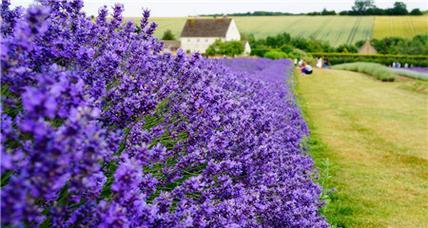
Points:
(370, 141)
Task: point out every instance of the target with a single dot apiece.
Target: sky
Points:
(174, 8)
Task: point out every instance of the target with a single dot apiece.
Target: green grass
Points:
(400, 26)
(375, 70)
(370, 141)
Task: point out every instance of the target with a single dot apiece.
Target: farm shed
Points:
(199, 33)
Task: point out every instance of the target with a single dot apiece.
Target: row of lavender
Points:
(101, 129)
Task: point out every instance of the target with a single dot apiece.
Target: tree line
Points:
(360, 8)
(283, 42)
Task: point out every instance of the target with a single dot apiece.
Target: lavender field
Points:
(101, 129)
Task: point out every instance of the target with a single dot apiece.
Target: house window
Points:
(206, 40)
(197, 40)
(188, 40)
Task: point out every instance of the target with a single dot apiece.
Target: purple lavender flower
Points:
(99, 128)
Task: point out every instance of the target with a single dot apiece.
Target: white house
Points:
(199, 33)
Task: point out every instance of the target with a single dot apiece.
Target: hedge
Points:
(339, 58)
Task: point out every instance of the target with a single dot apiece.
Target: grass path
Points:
(370, 140)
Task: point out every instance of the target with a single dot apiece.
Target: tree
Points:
(361, 6)
(416, 12)
(399, 9)
(167, 35)
(347, 48)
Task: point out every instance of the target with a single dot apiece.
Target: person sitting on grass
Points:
(306, 69)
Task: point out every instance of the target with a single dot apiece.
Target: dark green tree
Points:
(168, 35)
(399, 9)
(361, 6)
(416, 12)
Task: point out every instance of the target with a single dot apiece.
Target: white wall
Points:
(233, 32)
(197, 44)
(200, 44)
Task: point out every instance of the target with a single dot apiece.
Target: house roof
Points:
(367, 49)
(196, 27)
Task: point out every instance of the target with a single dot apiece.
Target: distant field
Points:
(334, 29)
(406, 26)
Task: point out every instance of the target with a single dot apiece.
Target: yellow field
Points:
(400, 26)
(334, 29)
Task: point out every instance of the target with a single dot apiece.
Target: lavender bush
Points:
(419, 69)
(100, 129)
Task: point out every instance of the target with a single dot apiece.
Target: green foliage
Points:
(395, 45)
(278, 40)
(367, 7)
(347, 48)
(339, 58)
(283, 42)
(229, 48)
(377, 71)
(260, 50)
(416, 12)
(399, 9)
(362, 6)
(168, 35)
(273, 54)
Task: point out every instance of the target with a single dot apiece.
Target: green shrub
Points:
(168, 35)
(260, 50)
(286, 48)
(274, 54)
(229, 48)
(375, 70)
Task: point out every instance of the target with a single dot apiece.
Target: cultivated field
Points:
(400, 26)
(370, 140)
(334, 29)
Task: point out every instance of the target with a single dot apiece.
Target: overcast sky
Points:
(172, 8)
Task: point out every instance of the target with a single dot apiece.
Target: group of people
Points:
(323, 63)
(398, 65)
(306, 68)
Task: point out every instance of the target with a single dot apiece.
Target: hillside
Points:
(334, 29)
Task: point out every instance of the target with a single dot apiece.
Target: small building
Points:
(247, 48)
(199, 33)
(171, 46)
(367, 49)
